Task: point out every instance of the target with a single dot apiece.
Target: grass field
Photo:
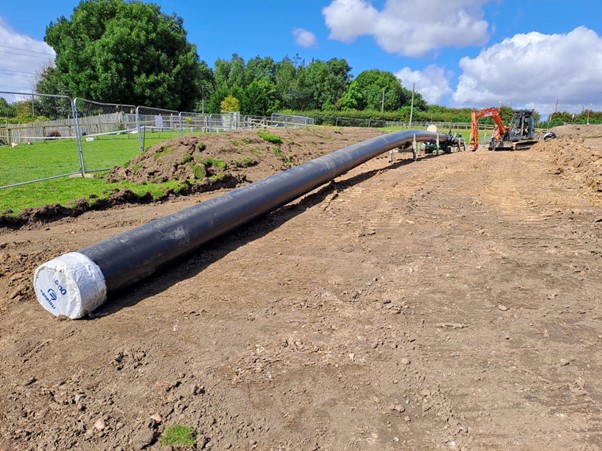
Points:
(58, 157)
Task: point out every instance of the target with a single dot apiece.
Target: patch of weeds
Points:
(270, 137)
(187, 158)
(247, 140)
(256, 151)
(199, 171)
(289, 162)
(245, 162)
(178, 435)
(235, 142)
(277, 152)
(164, 150)
(136, 167)
(214, 162)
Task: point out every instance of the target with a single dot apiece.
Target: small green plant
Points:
(245, 162)
(277, 152)
(178, 435)
(199, 171)
(186, 158)
(136, 167)
(214, 162)
(270, 138)
(255, 151)
(159, 153)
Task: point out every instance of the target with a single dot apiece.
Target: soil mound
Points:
(240, 157)
(578, 131)
(576, 157)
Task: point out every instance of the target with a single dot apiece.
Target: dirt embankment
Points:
(578, 151)
(247, 156)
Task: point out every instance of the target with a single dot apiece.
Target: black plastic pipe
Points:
(76, 283)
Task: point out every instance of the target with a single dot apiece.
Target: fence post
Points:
(138, 129)
(78, 137)
(180, 123)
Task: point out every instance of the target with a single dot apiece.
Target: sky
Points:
(540, 54)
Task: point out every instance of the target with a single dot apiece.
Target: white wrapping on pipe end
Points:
(71, 285)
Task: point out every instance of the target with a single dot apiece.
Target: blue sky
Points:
(473, 53)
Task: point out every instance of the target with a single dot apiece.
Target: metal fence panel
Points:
(223, 122)
(38, 138)
(108, 133)
(193, 123)
(47, 136)
(156, 124)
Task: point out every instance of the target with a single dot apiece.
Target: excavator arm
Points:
(474, 122)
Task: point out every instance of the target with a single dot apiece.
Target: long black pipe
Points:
(133, 255)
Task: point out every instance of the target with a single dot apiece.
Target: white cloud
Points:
(304, 38)
(21, 58)
(535, 70)
(432, 82)
(409, 27)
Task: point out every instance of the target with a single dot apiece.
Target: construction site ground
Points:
(450, 303)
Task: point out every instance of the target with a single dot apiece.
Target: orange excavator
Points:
(520, 135)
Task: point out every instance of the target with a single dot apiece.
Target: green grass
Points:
(66, 191)
(51, 158)
(178, 435)
(269, 137)
(214, 162)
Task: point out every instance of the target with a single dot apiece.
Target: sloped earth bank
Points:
(450, 303)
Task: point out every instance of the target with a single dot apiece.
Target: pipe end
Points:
(71, 285)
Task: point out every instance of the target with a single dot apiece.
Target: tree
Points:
(230, 105)
(49, 82)
(6, 109)
(325, 82)
(231, 73)
(125, 52)
(377, 90)
(206, 83)
(287, 81)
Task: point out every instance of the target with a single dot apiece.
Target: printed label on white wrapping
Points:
(71, 285)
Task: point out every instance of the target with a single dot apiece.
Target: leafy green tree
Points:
(287, 81)
(377, 90)
(230, 104)
(229, 73)
(49, 82)
(126, 52)
(259, 69)
(258, 98)
(6, 109)
(206, 83)
(218, 96)
(325, 82)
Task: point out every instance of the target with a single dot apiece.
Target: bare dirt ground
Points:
(448, 303)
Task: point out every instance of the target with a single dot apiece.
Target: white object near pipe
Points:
(71, 285)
